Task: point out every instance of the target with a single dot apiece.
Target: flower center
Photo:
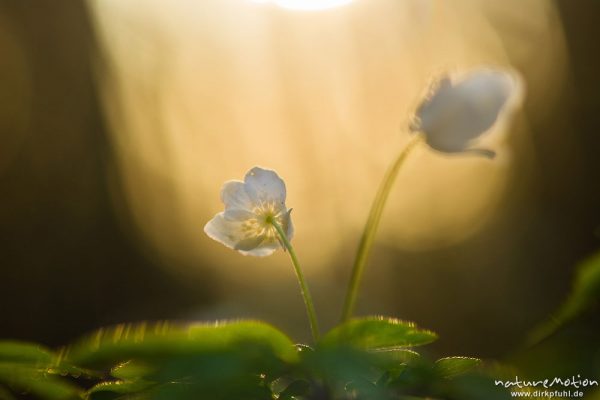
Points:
(261, 224)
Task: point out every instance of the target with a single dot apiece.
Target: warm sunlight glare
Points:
(199, 92)
(309, 5)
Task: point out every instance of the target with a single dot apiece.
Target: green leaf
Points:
(104, 390)
(163, 340)
(362, 388)
(392, 361)
(131, 370)
(394, 356)
(248, 388)
(25, 352)
(337, 364)
(208, 357)
(451, 367)
(35, 355)
(33, 368)
(372, 333)
(296, 388)
(474, 386)
(585, 292)
(33, 380)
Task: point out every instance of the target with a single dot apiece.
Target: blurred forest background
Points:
(119, 121)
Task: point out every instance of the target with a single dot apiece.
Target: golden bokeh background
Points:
(199, 93)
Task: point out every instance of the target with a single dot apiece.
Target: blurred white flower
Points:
(250, 207)
(457, 112)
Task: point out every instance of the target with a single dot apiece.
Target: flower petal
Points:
(458, 112)
(262, 251)
(264, 185)
(288, 225)
(230, 234)
(249, 244)
(224, 231)
(237, 214)
(234, 195)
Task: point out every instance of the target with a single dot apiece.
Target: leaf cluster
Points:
(366, 358)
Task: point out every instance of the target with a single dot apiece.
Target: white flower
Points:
(250, 206)
(459, 111)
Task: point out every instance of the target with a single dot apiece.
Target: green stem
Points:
(310, 308)
(366, 241)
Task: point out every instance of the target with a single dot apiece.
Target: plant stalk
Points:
(310, 308)
(366, 241)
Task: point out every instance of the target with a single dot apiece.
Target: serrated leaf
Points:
(33, 368)
(33, 380)
(40, 357)
(394, 356)
(25, 352)
(392, 361)
(450, 367)
(157, 341)
(372, 333)
(116, 387)
(132, 370)
(204, 354)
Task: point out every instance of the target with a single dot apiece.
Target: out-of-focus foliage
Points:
(363, 358)
(377, 333)
(369, 358)
(585, 293)
(567, 344)
(32, 369)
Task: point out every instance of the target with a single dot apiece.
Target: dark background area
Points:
(68, 265)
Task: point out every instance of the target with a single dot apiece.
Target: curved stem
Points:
(310, 308)
(370, 230)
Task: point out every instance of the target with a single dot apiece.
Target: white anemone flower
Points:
(251, 208)
(458, 112)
